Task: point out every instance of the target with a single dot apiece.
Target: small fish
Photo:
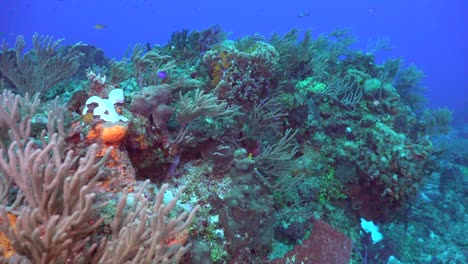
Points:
(162, 74)
(301, 15)
(100, 26)
(148, 46)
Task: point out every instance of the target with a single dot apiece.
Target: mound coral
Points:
(242, 77)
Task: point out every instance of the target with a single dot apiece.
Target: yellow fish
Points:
(100, 26)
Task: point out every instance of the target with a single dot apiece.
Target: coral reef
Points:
(282, 146)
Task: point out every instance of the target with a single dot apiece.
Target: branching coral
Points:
(408, 84)
(309, 56)
(275, 162)
(16, 122)
(54, 223)
(186, 46)
(345, 90)
(147, 65)
(148, 236)
(37, 71)
(263, 118)
(437, 121)
(59, 220)
(199, 104)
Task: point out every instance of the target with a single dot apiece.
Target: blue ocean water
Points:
(431, 34)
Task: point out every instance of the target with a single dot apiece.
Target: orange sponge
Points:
(5, 243)
(114, 134)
